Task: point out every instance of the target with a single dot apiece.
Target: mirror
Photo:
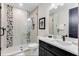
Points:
(59, 19)
(73, 22)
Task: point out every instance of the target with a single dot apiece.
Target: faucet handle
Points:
(66, 35)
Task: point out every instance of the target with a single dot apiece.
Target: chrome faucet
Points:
(64, 37)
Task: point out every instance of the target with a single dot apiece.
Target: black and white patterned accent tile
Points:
(9, 28)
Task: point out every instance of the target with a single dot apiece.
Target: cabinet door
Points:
(46, 49)
(41, 51)
(47, 53)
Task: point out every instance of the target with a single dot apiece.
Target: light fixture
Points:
(61, 4)
(20, 4)
(53, 6)
(29, 19)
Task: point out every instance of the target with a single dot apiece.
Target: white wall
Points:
(19, 26)
(43, 11)
(61, 16)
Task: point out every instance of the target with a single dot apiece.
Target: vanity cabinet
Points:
(46, 49)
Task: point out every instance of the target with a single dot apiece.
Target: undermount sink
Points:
(65, 43)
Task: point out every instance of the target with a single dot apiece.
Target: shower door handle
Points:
(2, 30)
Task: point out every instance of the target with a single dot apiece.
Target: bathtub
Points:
(21, 50)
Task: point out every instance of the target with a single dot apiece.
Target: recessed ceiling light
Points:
(53, 6)
(61, 4)
(20, 4)
(29, 19)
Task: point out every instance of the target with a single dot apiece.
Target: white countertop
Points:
(70, 48)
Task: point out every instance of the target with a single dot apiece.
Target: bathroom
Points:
(39, 29)
(19, 35)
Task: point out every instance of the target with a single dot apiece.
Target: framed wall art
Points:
(42, 23)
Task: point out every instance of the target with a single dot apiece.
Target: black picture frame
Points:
(42, 23)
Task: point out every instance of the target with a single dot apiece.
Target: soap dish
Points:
(50, 36)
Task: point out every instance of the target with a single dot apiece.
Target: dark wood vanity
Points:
(46, 49)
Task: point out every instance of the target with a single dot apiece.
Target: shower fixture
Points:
(3, 31)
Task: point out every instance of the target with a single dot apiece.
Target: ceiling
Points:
(65, 5)
(27, 6)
